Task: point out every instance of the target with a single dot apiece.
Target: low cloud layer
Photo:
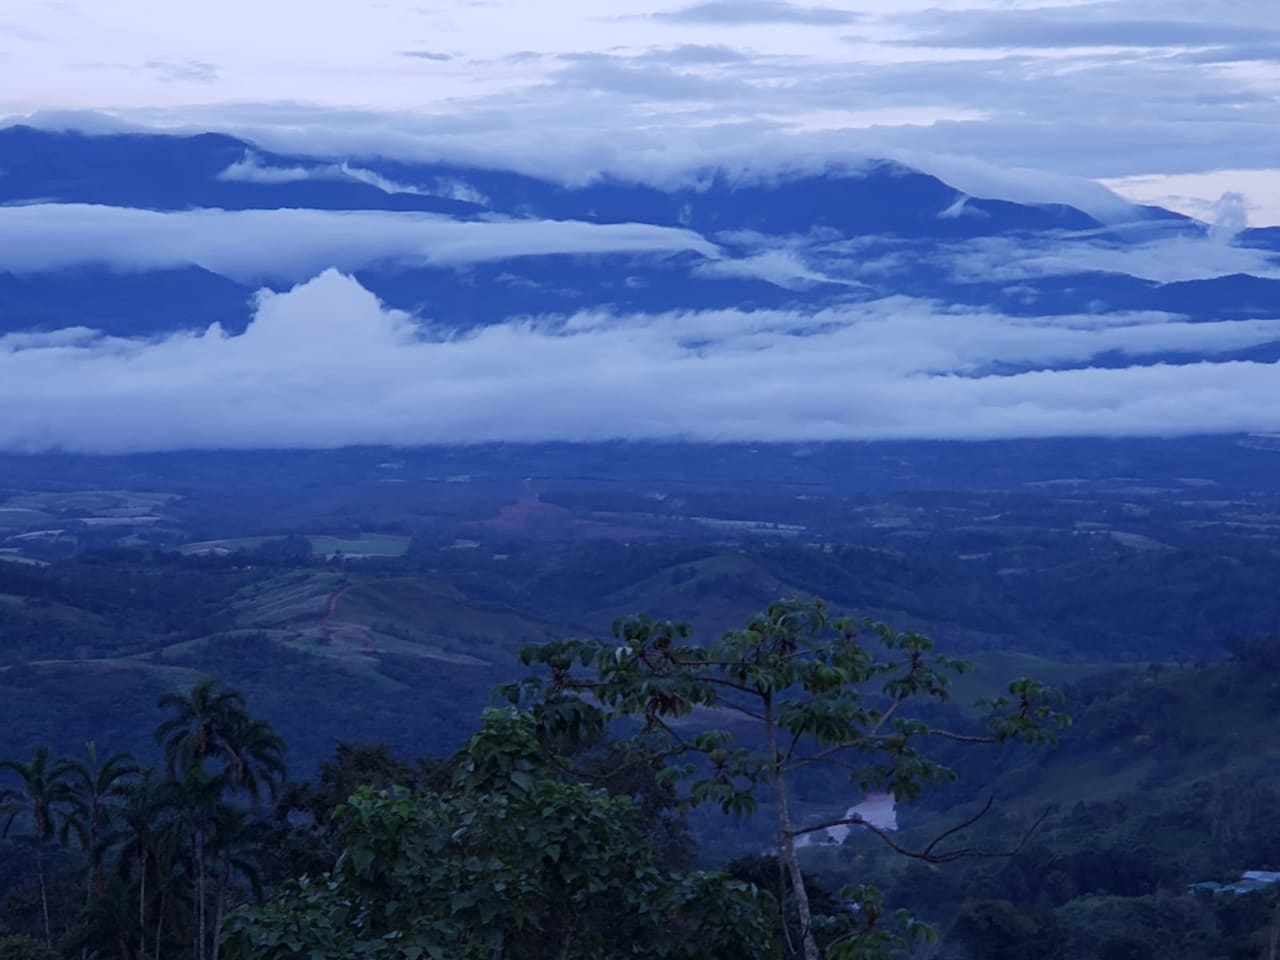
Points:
(250, 245)
(292, 245)
(1172, 259)
(739, 12)
(251, 169)
(326, 365)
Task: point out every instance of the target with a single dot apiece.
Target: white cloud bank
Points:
(1171, 259)
(291, 245)
(326, 365)
(251, 245)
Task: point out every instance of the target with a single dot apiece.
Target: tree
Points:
(209, 724)
(147, 847)
(26, 948)
(95, 789)
(212, 746)
(998, 930)
(235, 843)
(514, 860)
(767, 873)
(812, 691)
(151, 840)
(41, 798)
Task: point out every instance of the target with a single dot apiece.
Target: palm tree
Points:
(41, 798)
(149, 839)
(198, 798)
(213, 726)
(209, 724)
(203, 726)
(257, 761)
(96, 791)
(235, 842)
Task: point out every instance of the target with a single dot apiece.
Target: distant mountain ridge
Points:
(162, 172)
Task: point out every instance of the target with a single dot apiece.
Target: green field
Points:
(228, 545)
(370, 546)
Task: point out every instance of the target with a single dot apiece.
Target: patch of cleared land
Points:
(297, 596)
(371, 546)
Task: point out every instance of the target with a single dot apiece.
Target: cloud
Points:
(1197, 195)
(694, 53)
(293, 244)
(1165, 260)
(17, 31)
(428, 55)
(646, 81)
(251, 169)
(1066, 28)
(183, 71)
(326, 365)
(1263, 52)
(1230, 217)
(738, 12)
(979, 178)
(782, 268)
(1158, 252)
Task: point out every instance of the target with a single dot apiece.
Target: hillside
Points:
(405, 649)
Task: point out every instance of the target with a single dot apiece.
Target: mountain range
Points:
(862, 232)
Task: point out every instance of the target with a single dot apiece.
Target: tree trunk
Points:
(200, 904)
(223, 882)
(142, 908)
(159, 923)
(44, 894)
(787, 842)
(93, 883)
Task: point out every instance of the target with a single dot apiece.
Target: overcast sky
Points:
(1174, 101)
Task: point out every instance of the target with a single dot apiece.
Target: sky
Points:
(1169, 101)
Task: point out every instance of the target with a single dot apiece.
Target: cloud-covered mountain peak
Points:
(169, 172)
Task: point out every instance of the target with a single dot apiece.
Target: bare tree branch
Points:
(930, 854)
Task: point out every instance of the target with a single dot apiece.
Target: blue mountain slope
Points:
(1232, 297)
(884, 199)
(175, 173)
(490, 293)
(122, 304)
(1263, 238)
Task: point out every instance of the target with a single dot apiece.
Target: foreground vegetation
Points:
(562, 827)
(542, 837)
